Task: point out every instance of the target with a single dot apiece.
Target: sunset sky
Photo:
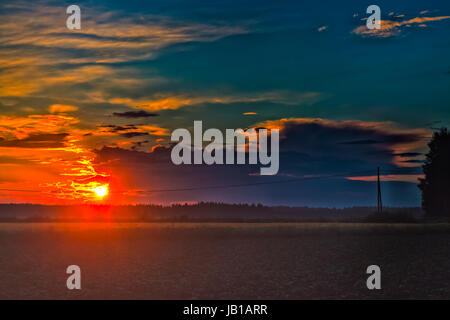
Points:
(84, 110)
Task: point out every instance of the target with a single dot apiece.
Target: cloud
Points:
(56, 157)
(135, 114)
(361, 142)
(56, 140)
(132, 134)
(117, 128)
(109, 37)
(409, 154)
(348, 140)
(175, 101)
(414, 161)
(132, 130)
(412, 178)
(391, 28)
(61, 108)
(22, 127)
(25, 80)
(40, 56)
(308, 148)
(122, 60)
(13, 160)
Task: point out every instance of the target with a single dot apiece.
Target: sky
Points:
(89, 110)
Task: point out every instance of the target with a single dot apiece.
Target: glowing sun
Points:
(101, 191)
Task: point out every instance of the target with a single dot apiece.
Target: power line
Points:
(255, 183)
(250, 184)
(380, 203)
(192, 188)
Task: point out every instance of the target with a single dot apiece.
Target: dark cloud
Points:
(361, 142)
(306, 150)
(414, 161)
(344, 141)
(135, 114)
(134, 158)
(37, 141)
(138, 144)
(409, 154)
(116, 128)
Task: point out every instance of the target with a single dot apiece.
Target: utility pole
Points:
(380, 203)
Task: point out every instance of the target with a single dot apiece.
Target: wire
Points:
(271, 182)
(255, 183)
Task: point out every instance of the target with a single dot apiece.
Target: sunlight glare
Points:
(101, 191)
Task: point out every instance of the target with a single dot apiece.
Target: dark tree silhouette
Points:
(436, 184)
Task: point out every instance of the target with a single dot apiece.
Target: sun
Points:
(101, 191)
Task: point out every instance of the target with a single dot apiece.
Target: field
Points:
(224, 261)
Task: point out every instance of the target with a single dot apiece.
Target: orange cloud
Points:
(167, 101)
(44, 159)
(390, 177)
(22, 127)
(61, 108)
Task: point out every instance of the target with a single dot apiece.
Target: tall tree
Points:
(435, 185)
